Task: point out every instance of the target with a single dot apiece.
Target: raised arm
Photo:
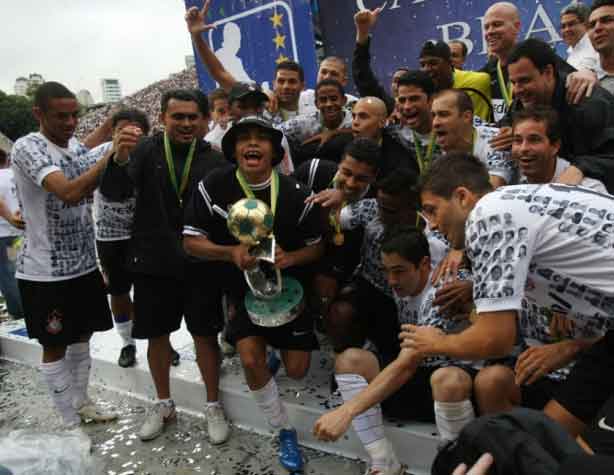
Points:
(196, 21)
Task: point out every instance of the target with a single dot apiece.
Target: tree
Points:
(16, 119)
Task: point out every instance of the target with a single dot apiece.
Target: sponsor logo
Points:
(604, 426)
(54, 322)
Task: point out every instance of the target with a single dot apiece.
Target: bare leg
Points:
(159, 359)
(208, 360)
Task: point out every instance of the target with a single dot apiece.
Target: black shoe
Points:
(175, 358)
(127, 357)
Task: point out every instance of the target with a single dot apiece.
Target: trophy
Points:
(271, 301)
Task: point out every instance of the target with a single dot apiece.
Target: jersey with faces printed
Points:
(419, 310)
(305, 126)
(498, 163)
(113, 219)
(364, 214)
(548, 244)
(59, 237)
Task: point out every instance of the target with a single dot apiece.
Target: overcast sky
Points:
(78, 42)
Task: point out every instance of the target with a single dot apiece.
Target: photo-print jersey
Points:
(550, 244)
(498, 163)
(363, 214)
(560, 167)
(113, 219)
(419, 310)
(59, 237)
(305, 126)
(534, 324)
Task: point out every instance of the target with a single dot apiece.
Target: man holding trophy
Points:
(257, 222)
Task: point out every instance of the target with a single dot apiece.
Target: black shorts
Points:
(297, 335)
(60, 313)
(113, 257)
(536, 395)
(161, 302)
(375, 313)
(600, 435)
(591, 381)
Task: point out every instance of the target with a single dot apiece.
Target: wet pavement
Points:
(182, 449)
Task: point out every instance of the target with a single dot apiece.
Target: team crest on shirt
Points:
(54, 322)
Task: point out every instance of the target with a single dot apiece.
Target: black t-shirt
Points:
(296, 224)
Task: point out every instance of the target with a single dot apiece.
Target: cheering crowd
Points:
(453, 237)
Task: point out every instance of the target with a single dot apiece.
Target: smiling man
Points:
(561, 232)
(601, 33)
(163, 171)
(255, 147)
(574, 25)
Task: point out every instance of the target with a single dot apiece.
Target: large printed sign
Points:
(404, 25)
(253, 36)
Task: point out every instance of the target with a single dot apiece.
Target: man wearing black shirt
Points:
(162, 171)
(255, 146)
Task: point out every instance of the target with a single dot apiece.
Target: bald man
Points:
(369, 120)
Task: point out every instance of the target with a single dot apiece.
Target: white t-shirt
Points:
(561, 166)
(59, 238)
(583, 55)
(549, 244)
(216, 134)
(8, 194)
(498, 163)
(113, 219)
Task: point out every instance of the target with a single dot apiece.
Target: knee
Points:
(451, 385)
(340, 314)
(297, 368)
(352, 361)
(253, 361)
(493, 380)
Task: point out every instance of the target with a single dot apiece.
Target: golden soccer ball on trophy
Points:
(250, 220)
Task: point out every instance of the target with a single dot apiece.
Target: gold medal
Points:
(339, 239)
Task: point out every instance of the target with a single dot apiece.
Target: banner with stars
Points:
(253, 36)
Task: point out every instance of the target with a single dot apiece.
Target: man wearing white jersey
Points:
(62, 290)
(561, 259)
(452, 111)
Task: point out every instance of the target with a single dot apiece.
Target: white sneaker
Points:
(89, 412)
(155, 420)
(80, 436)
(391, 470)
(217, 425)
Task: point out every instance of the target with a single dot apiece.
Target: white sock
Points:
(124, 330)
(59, 380)
(79, 362)
(369, 425)
(209, 404)
(270, 403)
(451, 417)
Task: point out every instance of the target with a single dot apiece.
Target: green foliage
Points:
(16, 119)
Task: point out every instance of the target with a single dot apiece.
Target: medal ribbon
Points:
(250, 194)
(506, 89)
(424, 161)
(168, 154)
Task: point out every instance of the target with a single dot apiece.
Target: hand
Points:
(273, 105)
(364, 21)
(538, 361)
(561, 326)
(580, 84)
(325, 136)
(195, 19)
(448, 267)
(330, 198)
(454, 296)
(333, 424)
(283, 259)
(242, 258)
(424, 340)
(503, 141)
(125, 141)
(571, 176)
(480, 468)
(16, 220)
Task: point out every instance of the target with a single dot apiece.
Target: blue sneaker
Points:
(273, 363)
(290, 455)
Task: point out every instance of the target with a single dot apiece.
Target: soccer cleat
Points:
(217, 424)
(89, 412)
(156, 419)
(175, 358)
(290, 455)
(127, 357)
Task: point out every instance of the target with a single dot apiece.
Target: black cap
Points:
(230, 138)
(241, 90)
(439, 49)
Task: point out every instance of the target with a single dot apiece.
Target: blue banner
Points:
(404, 25)
(252, 36)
